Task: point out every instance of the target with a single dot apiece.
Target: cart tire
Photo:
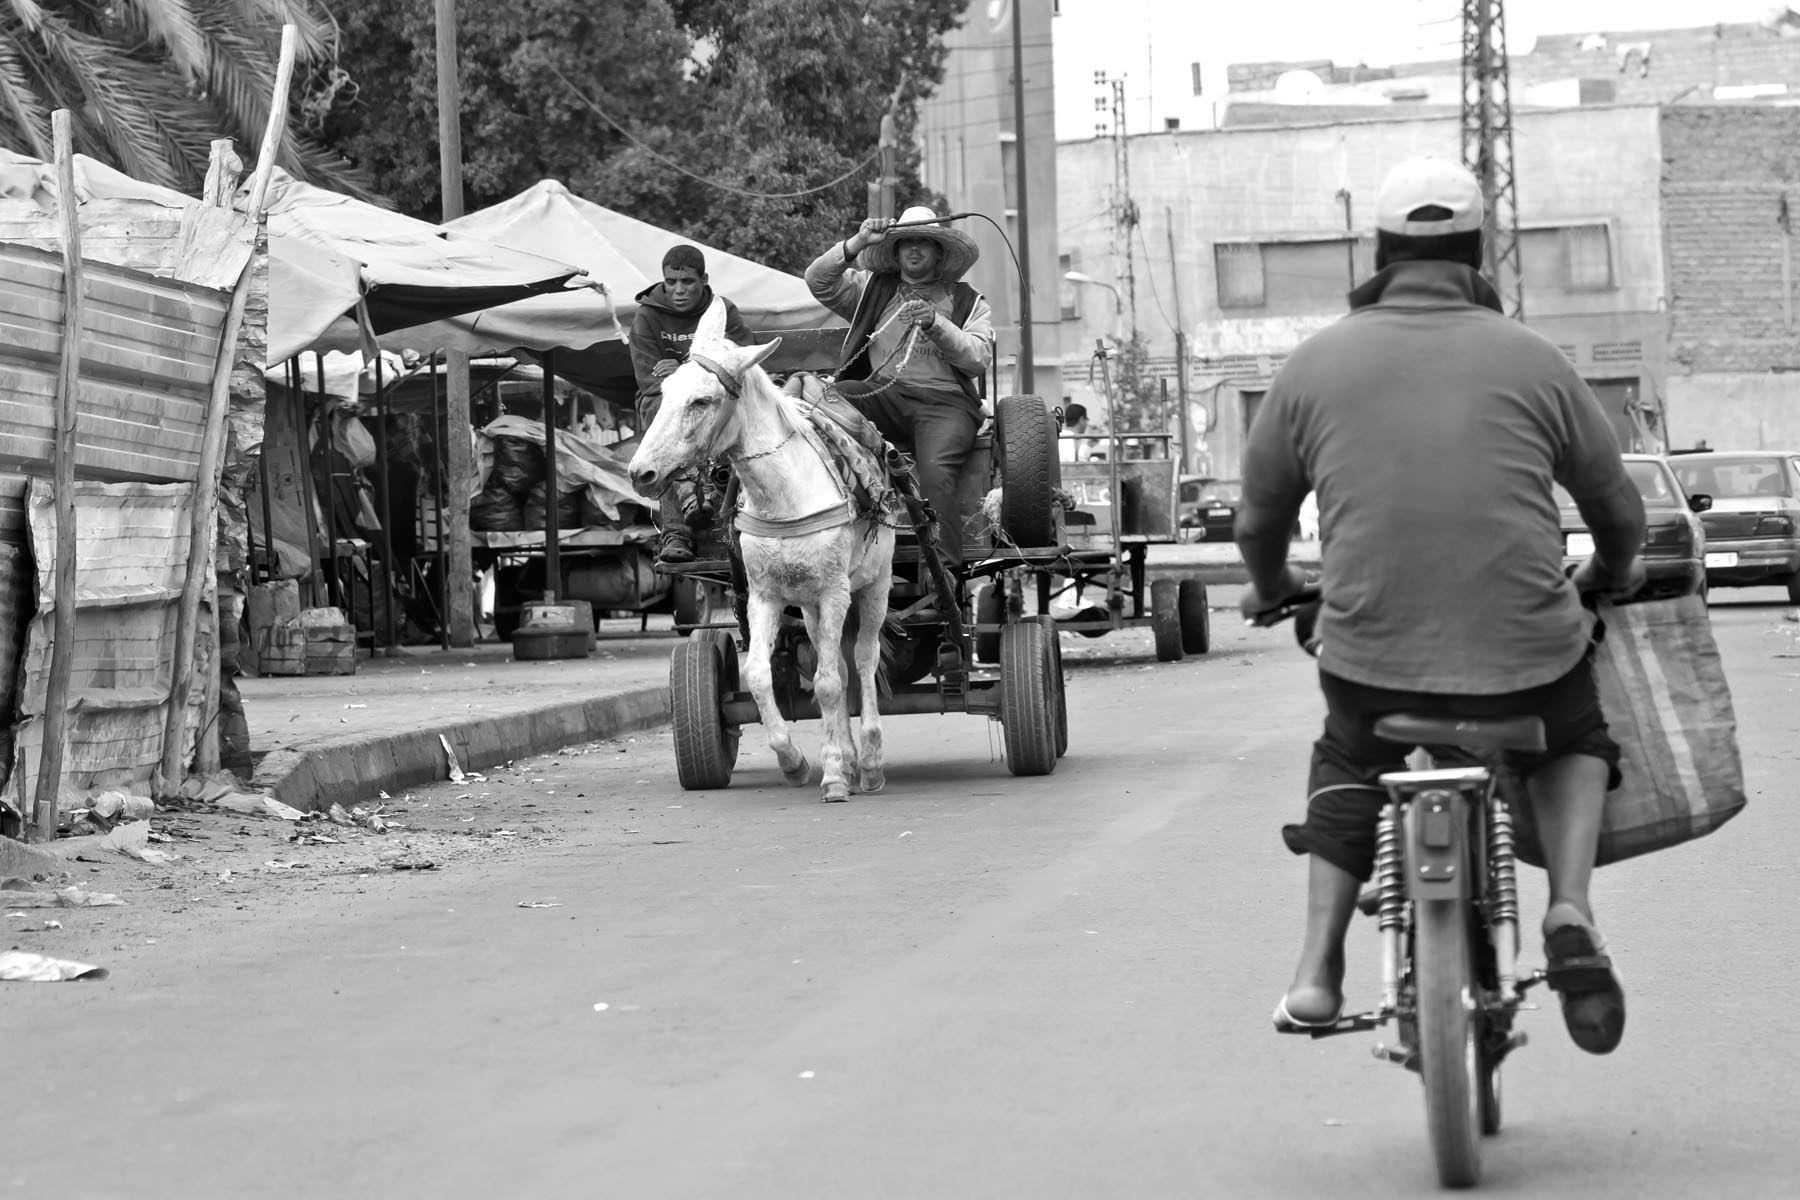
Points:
(1061, 707)
(705, 750)
(990, 609)
(1196, 622)
(1165, 619)
(1026, 440)
(684, 593)
(1028, 684)
(730, 683)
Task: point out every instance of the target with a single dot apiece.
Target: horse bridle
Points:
(734, 388)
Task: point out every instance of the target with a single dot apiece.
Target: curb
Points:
(347, 773)
(28, 862)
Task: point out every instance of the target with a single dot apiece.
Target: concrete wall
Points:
(1735, 412)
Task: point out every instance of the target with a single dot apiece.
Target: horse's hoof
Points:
(871, 781)
(799, 775)
(835, 793)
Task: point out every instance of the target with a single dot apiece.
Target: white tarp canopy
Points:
(409, 272)
(622, 254)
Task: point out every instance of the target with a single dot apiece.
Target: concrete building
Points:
(1655, 251)
(968, 141)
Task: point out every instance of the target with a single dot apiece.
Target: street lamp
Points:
(1077, 277)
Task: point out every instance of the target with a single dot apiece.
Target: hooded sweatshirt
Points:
(659, 331)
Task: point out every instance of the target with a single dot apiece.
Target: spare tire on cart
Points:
(1025, 443)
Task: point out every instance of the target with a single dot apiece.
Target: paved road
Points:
(971, 986)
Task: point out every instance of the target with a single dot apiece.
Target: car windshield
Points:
(1652, 480)
(1732, 478)
(1224, 491)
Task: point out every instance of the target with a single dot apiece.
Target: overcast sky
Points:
(1152, 42)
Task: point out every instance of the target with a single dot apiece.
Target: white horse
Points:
(802, 542)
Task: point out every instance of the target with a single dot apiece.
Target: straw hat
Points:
(960, 251)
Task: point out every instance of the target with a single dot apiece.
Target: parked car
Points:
(1674, 550)
(1187, 503)
(1753, 527)
(1213, 510)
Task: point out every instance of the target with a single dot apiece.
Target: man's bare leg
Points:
(1567, 799)
(1317, 993)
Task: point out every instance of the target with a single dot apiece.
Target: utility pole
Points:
(459, 586)
(1184, 420)
(1487, 145)
(1124, 209)
(1027, 373)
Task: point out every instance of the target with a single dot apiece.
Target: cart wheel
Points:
(1026, 441)
(730, 683)
(1028, 683)
(990, 609)
(1061, 706)
(1196, 623)
(1165, 619)
(705, 750)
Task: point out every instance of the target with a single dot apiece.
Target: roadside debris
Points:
(540, 904)
(456, 771)
(133, 842)
(19, 893)
(25, 967)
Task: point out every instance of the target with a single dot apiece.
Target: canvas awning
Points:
(410, 272)
(619, 252)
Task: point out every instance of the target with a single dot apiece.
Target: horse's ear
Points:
(711, 329)
(751, 356)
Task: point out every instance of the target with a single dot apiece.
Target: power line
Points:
(711, 183)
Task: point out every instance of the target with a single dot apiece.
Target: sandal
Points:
(1286, 1022)
(1581, 974)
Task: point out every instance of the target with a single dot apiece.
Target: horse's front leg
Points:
(825, 624)
(871, 615)
(765, 619)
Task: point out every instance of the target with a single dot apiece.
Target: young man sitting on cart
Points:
(918, 349)
(662, 332)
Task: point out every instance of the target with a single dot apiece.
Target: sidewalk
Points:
(320, 740)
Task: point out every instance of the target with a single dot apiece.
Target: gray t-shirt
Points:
(1431, 428)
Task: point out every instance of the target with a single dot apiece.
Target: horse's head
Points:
(699, 414)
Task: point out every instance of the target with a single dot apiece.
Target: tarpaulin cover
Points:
(619, 252)
(412, 271)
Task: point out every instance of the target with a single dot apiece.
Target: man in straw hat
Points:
(1445, 593)
(919, 345)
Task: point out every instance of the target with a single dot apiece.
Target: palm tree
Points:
(150, 83)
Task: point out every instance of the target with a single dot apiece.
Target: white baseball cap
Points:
(1429, 182)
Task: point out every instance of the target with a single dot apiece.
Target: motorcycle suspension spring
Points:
(1503, 863)
(1389, 880)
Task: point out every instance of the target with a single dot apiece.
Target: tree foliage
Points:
(696, 115)
(150, 83)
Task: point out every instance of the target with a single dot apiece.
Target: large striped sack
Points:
(1663, 690)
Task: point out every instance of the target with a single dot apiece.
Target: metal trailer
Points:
(1120, 508)
(931, 658)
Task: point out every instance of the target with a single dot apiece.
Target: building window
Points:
(1065, 290)
(1588, 251)
(1195, 68)
(1567, 258)
(1240, 268)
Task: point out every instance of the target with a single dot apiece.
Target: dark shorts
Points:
(1343, 799)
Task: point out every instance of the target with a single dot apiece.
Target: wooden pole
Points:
(62, 637)
(552, 497)
(203, 517)
(459, 585)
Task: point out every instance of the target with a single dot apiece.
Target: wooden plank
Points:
(62, 657)
(204, 532)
